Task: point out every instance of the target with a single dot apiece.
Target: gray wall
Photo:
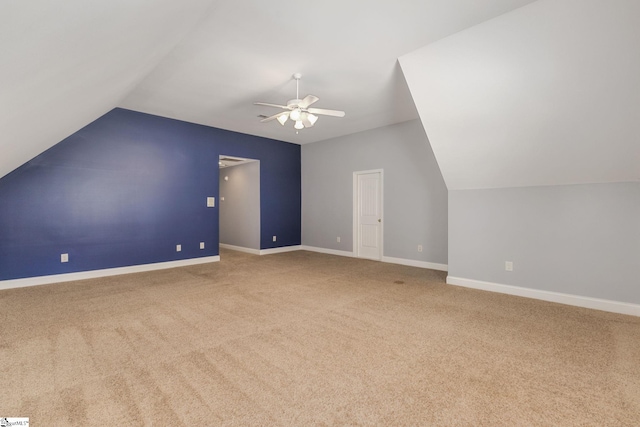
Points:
(576, 239)
(240, 209)
(415, 196)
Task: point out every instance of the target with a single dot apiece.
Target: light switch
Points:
(201, 245)
(211, 202)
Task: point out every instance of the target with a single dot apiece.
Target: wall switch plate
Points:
(64, 257)
(338, 239)
(222, 199)
(211, 202)
(274, 238)
(178, 248)
(419, 248)
(508, 266)
(201, 245)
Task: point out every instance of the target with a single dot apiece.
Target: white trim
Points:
(415, 263)
(92, 274)
(328, 251)
(568, 299)
(387, 259)
(240, 248)
(261, 251)
(280, 250)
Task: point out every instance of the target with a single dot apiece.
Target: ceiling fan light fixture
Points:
(299, 110)
(295, 114)
(283, 119)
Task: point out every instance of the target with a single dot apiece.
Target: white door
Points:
(368, 214)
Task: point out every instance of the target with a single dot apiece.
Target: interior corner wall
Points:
(415, 196)
(129, 187)
(240, 205)
(574, 239)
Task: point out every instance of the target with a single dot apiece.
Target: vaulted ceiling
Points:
(64, 64)
(547, 94)
(510, 92)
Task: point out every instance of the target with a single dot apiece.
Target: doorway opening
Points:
(239, 192)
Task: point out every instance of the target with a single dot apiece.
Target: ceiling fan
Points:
(299, 110)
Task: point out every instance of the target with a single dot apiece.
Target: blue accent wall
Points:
(129, 187)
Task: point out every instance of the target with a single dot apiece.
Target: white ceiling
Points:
(547, 94)
(64, 64)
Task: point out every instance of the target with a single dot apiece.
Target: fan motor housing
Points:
(293, 103)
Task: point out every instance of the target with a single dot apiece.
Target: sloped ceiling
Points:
(346, 51)
(546, 94)
(64, 64)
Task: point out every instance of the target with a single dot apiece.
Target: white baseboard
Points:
(327, 251)
(568, 299)
(92, 274)
(261, 251)
(240, 249)
(391, 260)
(415, 263)
(280, 250)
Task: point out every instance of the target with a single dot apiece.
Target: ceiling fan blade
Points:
(266, 104)
(275, 116)
(308, 100)
(334, 113)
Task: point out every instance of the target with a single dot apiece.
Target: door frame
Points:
(355, 211)
(239, 161)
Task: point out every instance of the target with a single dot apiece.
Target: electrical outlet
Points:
(508, 266)
(419, 248)
(274, 238)
(201, 245)
(211, 202)
(64, 257)
(338, 239)
(178, 248)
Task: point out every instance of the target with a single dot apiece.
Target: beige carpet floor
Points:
(300, 339)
